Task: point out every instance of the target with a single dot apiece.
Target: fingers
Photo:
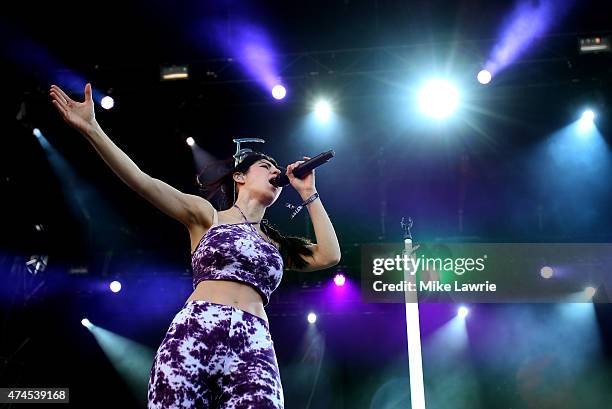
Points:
(295, 164)
(291, 167)
(58, 101)
(58, 97)
(65, 98)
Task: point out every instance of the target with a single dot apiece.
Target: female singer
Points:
(218, 352)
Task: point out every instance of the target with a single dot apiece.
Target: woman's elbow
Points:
(331, 261)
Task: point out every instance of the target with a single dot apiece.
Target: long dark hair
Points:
(220, 192)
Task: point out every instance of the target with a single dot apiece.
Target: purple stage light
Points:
(115, 286)
(279, 92)
(339, 279)
(463, 312)
(312, 318)
(190, 141)
(251, 47)
(484, 77)
(528, 21)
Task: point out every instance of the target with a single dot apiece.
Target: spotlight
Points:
(438, 99)
(484, 77)
(463, 312)
(339, 279)
(312, 318)
(588, 115)
(115, 286)
(546, 272)
(590, 292)
(190, 141)
(586, 121)
(107, 102)
(86, 323)
(323, 110)
(36, 132)
(279, 92)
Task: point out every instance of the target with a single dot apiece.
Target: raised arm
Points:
(188, 209)
(326, 251)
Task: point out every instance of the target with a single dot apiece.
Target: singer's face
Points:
(257, 180)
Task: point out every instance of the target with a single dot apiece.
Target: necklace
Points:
(267, 238)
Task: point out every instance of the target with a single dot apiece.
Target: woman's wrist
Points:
(93, 130)
(305, 194)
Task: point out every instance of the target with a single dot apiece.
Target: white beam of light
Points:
(323, 110)
(413, 333)
(438, 99)
(131, 360)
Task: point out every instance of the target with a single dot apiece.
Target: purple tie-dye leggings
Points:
(215, 356)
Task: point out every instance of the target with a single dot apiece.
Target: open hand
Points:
(79, 115)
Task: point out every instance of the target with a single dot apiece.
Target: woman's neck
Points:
(253, 209)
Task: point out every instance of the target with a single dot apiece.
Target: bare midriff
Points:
(234, 294)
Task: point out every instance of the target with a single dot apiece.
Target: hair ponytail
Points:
(291, 247)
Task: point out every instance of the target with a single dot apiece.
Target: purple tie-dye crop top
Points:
(237, 252)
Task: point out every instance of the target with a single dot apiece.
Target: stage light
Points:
(37, 264)
(279, 92)
(590, 292)
(463, 312)
(595, 45)
(586, 121)
(438, 99)
(107, 102)
(115, 286)
(588, 115)
(323, 110)
(86, 323)
(36, 132)
(339, 279)
(546, 272)
(190, 141)
(484, 77)
(312, 318)
(174, 72)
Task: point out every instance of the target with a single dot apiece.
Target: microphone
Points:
(302, 169)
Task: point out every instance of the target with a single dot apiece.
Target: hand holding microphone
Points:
(300, 171)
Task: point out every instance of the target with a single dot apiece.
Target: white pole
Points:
(413, 333)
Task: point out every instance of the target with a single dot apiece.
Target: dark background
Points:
(491, 164)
